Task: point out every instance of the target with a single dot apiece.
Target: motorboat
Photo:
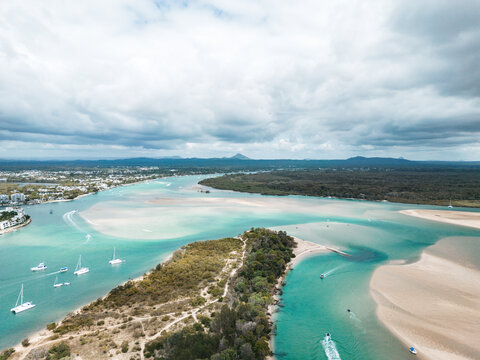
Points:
(114, 260)
(39, 267)
(413, 351)
(322, 276)
(63, 269)
(79, 270)
(23, 305)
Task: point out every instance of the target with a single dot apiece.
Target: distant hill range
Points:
(236, 162)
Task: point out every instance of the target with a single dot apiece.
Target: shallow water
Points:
(372, 232)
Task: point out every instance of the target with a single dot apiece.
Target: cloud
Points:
(269, 78)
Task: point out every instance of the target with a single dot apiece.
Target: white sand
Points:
(463, 218)
(433, 305)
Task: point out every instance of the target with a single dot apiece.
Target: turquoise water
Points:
(158, 217)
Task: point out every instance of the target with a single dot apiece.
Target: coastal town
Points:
(31, 187)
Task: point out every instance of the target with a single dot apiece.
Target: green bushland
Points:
(5, 354)
(190, 268)
(240, 330)
(58, 351)
(420, 186)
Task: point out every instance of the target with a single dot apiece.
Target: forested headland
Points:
(418, 186)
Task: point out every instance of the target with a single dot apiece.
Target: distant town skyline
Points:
(271, 80)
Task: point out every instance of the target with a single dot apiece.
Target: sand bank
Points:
(432, 304)
(463, 218)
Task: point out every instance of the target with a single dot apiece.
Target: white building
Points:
(4, 198)
(15, 220)
(18, 198)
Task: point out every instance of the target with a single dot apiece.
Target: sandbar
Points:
(462, 218)
(432, 304)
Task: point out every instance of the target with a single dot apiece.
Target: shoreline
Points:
(44, 334)
(16, 227)
(461, 218)
(304, 250)
(431, 304)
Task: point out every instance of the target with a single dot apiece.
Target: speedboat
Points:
(23, 305)
(39, 267)
(115, 260)
(413, 351)
(79, 270)
(64, 269)
(66, 283)
(328, 336)
(322, 276)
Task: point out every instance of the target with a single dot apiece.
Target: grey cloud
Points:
(289, 79)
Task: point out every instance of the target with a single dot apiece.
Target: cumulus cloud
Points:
(313, 79)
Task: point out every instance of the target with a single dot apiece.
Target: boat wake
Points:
(87, 238)
(330, 348)
(68, 218)
(335, 269)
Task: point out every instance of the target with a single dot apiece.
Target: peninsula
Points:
(209, 301)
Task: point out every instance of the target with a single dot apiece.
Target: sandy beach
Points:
(463, 218)
(432, 304)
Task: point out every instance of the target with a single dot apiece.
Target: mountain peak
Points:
(239, 156)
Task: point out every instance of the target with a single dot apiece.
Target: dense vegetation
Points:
(7, 215)
(240, 330)
(422, 186)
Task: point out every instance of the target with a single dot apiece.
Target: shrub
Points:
(58, 351)
(25, 342)
(124, 346)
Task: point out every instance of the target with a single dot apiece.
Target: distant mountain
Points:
(377, 161)
(239, 156)
(237, 162)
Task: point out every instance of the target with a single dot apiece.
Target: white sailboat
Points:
(79, 270)
(23, 306)
(114, 260)
(55, 284)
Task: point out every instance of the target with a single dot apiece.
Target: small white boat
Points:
(66, 283)
(322, 276)
(64, 269)
(55, 284)
(115, 260)
(39, 267)
(79, 270)
(413, 351)
(23, 305)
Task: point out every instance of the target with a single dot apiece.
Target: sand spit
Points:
(463, 218)
(432, 304)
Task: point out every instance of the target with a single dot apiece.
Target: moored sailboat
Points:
(115, 260)
(79, 270)
(55, 284)
(23, 305)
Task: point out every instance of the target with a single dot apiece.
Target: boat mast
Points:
(20, 297)
(113, 254)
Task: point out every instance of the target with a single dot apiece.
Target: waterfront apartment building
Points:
(18, 198)
(17, 219)
(4, 198)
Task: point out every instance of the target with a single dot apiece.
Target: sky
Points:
(319, 79)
